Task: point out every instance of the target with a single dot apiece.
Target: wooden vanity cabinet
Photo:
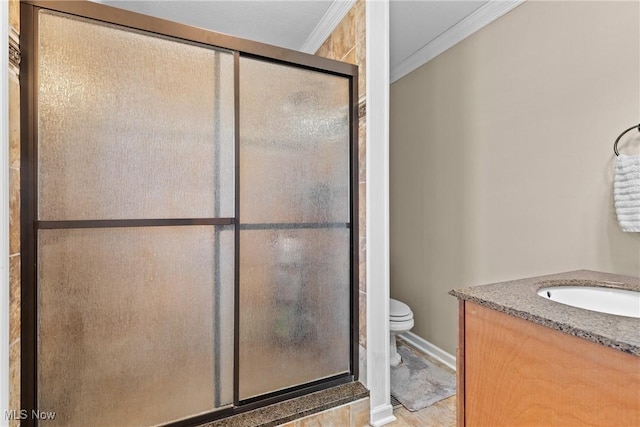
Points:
(512, 372)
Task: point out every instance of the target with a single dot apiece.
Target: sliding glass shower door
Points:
(135, 271)
(189, 220)
(294, 227)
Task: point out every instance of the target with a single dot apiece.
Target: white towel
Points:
(626, 192)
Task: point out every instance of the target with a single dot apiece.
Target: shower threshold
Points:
(296, 408)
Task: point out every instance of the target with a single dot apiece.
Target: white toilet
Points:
(400, 320)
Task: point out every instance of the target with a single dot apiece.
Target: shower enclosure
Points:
(189, 220)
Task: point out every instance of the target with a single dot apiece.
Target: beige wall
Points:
(502, 159)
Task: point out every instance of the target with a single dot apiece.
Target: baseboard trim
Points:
(382, 415)
(430, 349)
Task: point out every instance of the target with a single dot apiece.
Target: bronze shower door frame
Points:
(29, 187)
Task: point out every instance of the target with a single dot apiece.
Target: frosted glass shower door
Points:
(189, 220)
(294, 227)
(135, 201)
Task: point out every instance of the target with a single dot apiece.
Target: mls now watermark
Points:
(34, 414)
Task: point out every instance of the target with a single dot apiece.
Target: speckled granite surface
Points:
(519, 298)
(283, 412)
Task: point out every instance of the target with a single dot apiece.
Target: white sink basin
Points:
(604, 300)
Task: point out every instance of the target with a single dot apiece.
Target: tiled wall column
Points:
(14, 211)
(348, 43)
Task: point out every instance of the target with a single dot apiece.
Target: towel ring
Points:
(615, 144)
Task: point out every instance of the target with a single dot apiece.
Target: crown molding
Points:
(327, 24)
(477, 20)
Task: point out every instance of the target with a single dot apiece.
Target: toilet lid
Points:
(398, 310)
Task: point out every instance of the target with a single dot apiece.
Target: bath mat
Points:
(418, 383)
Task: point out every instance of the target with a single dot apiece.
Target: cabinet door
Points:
(518, 373)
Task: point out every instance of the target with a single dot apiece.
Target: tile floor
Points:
(440, 414)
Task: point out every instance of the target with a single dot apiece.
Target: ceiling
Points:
(293, 23)
(285, 23)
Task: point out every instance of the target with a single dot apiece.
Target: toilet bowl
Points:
(400, 320)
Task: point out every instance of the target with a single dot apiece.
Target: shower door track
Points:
(29, 190)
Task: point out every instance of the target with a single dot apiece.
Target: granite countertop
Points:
(519, 298)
